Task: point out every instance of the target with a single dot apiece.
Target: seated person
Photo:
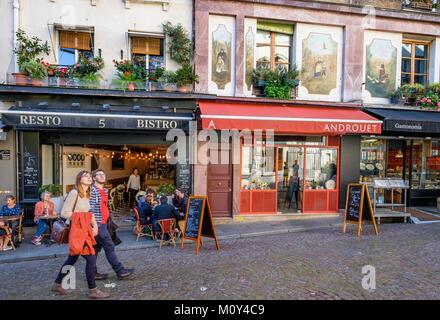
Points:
(163, 211)
(43, 208)
(4, 230)
(180, 201)
(11, 208)
(145, 209)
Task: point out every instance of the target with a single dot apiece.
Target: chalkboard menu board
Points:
(194, 214)
(198, 221)
(353, 209)
(30, 165)
(358, 207)
(183, 177)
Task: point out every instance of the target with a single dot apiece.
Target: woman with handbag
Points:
(83, 230)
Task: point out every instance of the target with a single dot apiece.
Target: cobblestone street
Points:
(320, 264)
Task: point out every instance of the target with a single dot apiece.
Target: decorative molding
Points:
(92, 2)
(165, 3)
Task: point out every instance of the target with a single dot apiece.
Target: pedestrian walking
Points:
(99, 208)
(83, 229)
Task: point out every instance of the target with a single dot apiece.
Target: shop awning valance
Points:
(287, 119)
(411, 121)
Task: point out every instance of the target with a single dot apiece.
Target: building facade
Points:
(351, 57)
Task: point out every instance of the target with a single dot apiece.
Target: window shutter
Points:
(75, 40)
(149, 46)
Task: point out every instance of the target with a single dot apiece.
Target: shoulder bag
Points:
(60, 229)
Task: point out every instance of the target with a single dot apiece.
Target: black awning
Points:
(407, 121)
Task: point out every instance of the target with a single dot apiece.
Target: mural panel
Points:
(319, 63)
(381, 68)
(221, 56)
(250, 43)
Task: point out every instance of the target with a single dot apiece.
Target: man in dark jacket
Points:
(163, 211)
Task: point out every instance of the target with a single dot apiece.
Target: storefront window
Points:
(372, 163)
(321, 168)
(258, 168)
(425, 164)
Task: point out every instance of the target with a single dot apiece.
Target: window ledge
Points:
(165, 3)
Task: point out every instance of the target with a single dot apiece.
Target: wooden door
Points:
(220, 189)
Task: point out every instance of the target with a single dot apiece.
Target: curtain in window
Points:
(150, 46)
(75, 40)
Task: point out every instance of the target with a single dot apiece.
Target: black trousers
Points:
(133, 193)
(90, 269)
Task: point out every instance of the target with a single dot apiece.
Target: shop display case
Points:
(372, 163)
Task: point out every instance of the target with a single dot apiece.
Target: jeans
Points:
(104, 241)
(133, 193)
(41, 227)
(90, 269)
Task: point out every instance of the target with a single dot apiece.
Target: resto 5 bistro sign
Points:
(92, 121)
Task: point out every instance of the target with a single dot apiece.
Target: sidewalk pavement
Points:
(225, 229)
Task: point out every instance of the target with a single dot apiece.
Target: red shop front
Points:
(298, 170)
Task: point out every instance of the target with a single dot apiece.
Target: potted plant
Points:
(35, 70)
(430, 101)
(185, 78)
(395, 96)
(86, 71)
(260, 76)
(281, 83)
(153, 78)
(130, 75)
(62, 74)
(412, 92)
(166, 189)
(179, 46)
(167, 80)
(28, 49)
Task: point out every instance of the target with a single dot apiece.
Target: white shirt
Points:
(134, 182)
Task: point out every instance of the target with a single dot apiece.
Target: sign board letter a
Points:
(212, 124)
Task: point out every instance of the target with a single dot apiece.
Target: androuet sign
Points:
(38, 120)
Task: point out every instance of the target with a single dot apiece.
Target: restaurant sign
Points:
(94, 121)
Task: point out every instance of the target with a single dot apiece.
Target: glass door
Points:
(290, 173)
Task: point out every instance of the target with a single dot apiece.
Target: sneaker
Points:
(125, 273)
(97, 294)
(7, 248)
(101, 276)
(36, 241)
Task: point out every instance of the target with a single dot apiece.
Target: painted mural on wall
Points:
(250, 43)
(381, 68)
(319, 63)
(221, 56)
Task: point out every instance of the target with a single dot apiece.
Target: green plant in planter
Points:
(168, 80)
(185, 76)
(34, 69)
(412, 91)
(166, 189)
(55, 189)
(179, 44)
(260, 75)
(430, 101)
(29, 48)
(281, 82)
(395, 96)
(434, 88)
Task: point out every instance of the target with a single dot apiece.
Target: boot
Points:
(125, 273)
(97, 294)
(58, 288)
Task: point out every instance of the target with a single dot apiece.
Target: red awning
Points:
(283, 119)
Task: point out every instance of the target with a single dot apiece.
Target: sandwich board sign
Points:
(358, 207)
(198, 222)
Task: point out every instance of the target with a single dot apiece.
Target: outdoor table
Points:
(8, 220)
(50, 220)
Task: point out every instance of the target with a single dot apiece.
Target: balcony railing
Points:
(424, 5)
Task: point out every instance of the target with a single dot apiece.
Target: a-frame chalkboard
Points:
(198, 222)
(358, 207)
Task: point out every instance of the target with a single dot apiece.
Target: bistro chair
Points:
(167, 227)
(19, 228)
(139, 195)
(120, 191)
(111, 200)
(139, 228)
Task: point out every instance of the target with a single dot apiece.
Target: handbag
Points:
(61, 230)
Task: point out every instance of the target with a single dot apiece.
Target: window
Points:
(274, 48)
(148, 52)
(73, 45)
(415, 62)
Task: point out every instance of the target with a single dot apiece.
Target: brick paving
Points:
(317, 264)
